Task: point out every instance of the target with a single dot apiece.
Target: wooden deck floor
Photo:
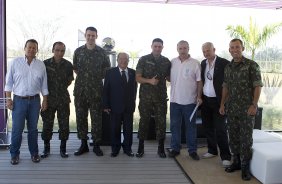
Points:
(89, 168)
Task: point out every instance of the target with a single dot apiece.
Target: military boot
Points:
(236, 165)
(46, 151)
(140, 151)
(246, 175)
(83, 148)
(161, 151)
(63, 149)
(97, 150)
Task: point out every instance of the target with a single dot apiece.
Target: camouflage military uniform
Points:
(153, 99)
(90, 66)
(240, 80)
(59, 77)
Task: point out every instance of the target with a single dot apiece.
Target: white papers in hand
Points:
(194, 111)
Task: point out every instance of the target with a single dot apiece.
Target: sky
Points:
(133, 26)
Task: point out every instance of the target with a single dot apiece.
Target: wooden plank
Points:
(89, 168)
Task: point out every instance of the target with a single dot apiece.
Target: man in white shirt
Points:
(213, 122)
(186, 87)
(26, 78)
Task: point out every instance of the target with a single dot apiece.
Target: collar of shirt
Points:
(243, 61)
(53, 60)
(33, 60)
(212, 65)
(120, 70)
(185, 60)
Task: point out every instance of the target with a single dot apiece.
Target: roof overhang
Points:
(256, 4)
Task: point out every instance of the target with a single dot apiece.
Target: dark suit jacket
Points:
(218, 75)
(113, 91)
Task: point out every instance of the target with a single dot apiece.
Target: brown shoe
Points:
(35, 158)
(15, 160)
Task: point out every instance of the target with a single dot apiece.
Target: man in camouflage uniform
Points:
(151, 73)
(90, 63)
(59, 77)
(241, 91)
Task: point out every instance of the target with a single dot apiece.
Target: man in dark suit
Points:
(119, 96)
(213, 122)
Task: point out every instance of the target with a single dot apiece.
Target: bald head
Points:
(122, 59)
(208, 51)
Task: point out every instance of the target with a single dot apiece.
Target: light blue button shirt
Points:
(26, 80)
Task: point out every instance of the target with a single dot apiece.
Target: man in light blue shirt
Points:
(26, 78)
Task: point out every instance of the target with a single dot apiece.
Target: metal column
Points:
(4, 136)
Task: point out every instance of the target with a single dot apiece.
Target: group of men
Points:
(223, 90)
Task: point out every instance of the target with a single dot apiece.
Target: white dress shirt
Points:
(208, 88)
(26, 80)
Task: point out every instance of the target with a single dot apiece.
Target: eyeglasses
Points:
(209, 76)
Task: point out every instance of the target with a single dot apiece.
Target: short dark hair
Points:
(237, 39)
(158, 40)
(91, 29)
(59, 43)
(31, 41)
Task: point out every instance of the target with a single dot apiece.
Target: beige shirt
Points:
(184, 77)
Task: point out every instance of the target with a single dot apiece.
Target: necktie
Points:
(123, 77)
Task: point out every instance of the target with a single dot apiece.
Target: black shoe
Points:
(46, 151)
(140, 151)
(82, 149)
(236, 164)
(129, 153)
(15, 160)
(114, 154)
(139, 154)
(232, 168)
(173, 153)
(97, 150)
(194, 156)
(161, 153)
(64, 154)
(246, 175)
(35, 158)
(63, 149)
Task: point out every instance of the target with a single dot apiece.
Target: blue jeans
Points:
(25, 109)
(177, 114)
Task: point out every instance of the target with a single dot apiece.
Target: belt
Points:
(27, 97)
(211, 98)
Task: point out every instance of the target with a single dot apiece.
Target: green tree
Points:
(133, 56)
(253, 37)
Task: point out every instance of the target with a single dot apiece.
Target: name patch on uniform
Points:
(50, 68)
(150, 62)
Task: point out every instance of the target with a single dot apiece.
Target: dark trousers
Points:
(240, 130)
(117, 120)
(48, 116)
(82, 105)
(215, 128)
(159, 109)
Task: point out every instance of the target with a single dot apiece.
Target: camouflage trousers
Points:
(48, 116)
(159, 110)
(82, 106)
(240, 132)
